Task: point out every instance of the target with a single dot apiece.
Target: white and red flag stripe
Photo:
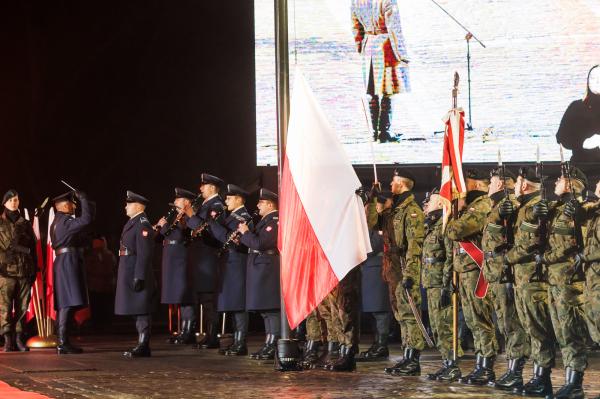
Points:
(50, 255)
(453, 181)
(323, 230)
(38, 284)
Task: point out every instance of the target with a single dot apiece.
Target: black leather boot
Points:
(239, 347)
(385, 121)
(21, 343)
(451, 373)
(311, 354)
(187, 336)
(513, 378)
(412, 366)
(64, 347)
(573, 385)
(374, 108)
(346, 360)
(377, 352)
(540, 384)
(212, 338)
(434, 376)
(256, 355)
(395, 367)
(485, 374)
(332, 353)
(478, 359)
(142, 349)
(270, 348)
(8, 343)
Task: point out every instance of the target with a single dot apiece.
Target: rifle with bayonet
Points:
(508, 238)
(542, 230)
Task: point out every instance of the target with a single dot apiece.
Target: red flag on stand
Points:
(50, 311)
(38, 284)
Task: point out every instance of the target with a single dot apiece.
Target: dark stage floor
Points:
(183, 372)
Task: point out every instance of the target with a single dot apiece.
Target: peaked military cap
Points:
(403, 172)
(232, 189)
(133, 197)
(182, 193)
(68, 196)
(268, 195)
(8, 195)
(476, 174)
(205, 178)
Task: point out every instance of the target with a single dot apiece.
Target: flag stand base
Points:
(38, 342)
(288, 356)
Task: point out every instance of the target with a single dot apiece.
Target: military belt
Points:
(64, 250)
(563, 231)
(172, 242)
(126, 252)
(267, 252)
(432, 260)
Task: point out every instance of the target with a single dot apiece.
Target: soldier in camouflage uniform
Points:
(17, 270)
(531, 297)
(435, 253)
(316, 334)
(469, 227)
(494, 244)
(403, 272)
(565, 278)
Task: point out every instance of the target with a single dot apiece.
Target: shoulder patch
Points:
(269, 228)
(471, 209)
(413, 215)
(145, 233)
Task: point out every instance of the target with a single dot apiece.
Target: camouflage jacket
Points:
(592, 237)
(494, 237)
(406, 237)
(468, 227)
(17, 248)
(522, 254)
(562, 245)
(434, 255)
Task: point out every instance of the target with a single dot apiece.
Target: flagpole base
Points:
(288, 356)
(38, 342)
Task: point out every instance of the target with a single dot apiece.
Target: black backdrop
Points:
(114, 95)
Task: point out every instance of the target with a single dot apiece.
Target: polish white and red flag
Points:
(453, 182)
(38, 285)
(50, 255)
(323, 230)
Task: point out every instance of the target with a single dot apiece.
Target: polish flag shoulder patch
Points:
(145, 233)
(269, 228)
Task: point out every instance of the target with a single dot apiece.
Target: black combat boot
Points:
(187, 336)
(270, 348)
(374, 108)
(331, 355)
(239, 347)
(20, 343)
(395, 367)
(8, 343)
(212, 338)
(478, 359)
(513, 378)
(485, 374)
(142, 349)
(572, 388)
(64, 347)
(311, 354)
(451, 373)
(434, 376)
(385, 121)
(411, 366)
(346, 360)
(256, 355)
(378, 352)
(540, 384)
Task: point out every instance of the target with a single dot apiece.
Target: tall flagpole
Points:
(288, 356)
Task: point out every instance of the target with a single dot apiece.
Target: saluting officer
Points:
(262, 274)
(232, 278)
(135, 280)
(202, 254)
(176, 286)
(68, 236)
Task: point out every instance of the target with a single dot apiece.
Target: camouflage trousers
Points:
(478, 315)
(441, 324)
(411, 334)
(531, 301)
(316, 327)
(14, 293)
(340, 310)
(592, 303)
(517, 341)
(566, 311)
